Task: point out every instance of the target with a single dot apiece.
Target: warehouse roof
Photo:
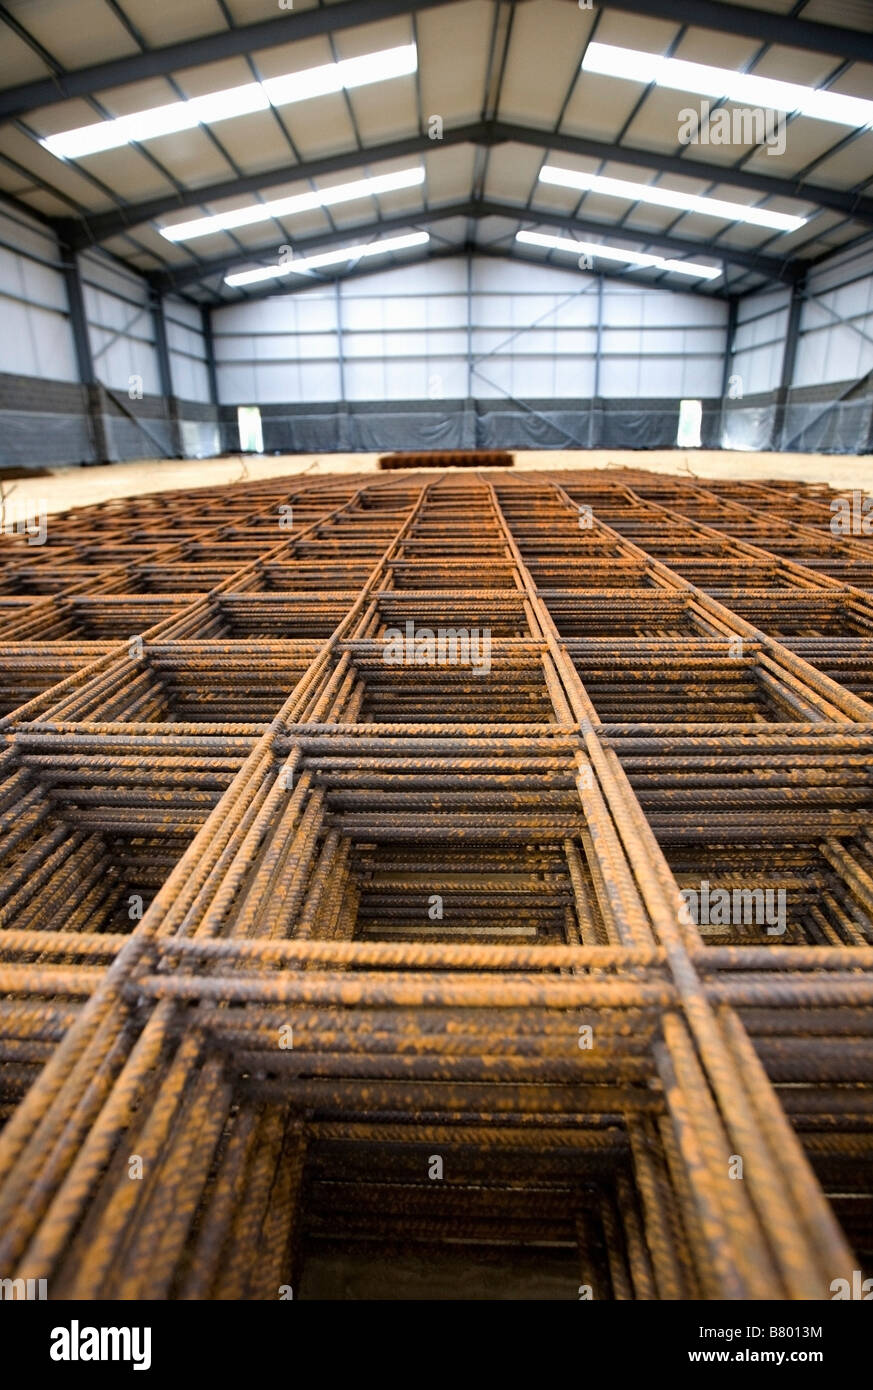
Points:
(697, 143)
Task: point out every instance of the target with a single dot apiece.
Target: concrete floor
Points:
(72, 487)
(346, 1271)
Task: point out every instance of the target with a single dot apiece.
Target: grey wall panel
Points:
(200, 440)
(748, 426)
(530, 429)
(126, 440)
(434, 430)
(826, 418)
(380, 426)
(34, 439)
(839, 427)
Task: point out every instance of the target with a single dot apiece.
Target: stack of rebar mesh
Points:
(472, 868)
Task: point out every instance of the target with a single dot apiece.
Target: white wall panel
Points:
(190, 379)
(30, 238)
(660, 377)
(184, 313)
(580, 311)
(102, 273)
(842, 268)
(701, 377)
(762, 323)
(835, 342)
(405, 380)
(35, 342)
(447, 310)
(365, 381)
(490, 309)
(533, 377)
(836, 333)
(619, 377)
(120, 325)
(758, 369)
(403, 313)
(236, 383)
(182, 339)
(535, 331)
(574, 377)
(36, 338)
(446, 379)
(497, 374)
(622, 309)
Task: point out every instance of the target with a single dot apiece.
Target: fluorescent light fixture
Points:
(668, 198)
(299, 202)
(607, 253)
(349, 253)
(744, 88)
(234, 101)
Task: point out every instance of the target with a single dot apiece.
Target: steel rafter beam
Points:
(79, 322)
(89, 230)
(209, 346)
(179, 280)
(210, 48)
(764, 26)
(855, 205)
(769, 266)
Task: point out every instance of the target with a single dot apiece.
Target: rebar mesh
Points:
(355, 835)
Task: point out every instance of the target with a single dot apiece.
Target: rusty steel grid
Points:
(286, 917)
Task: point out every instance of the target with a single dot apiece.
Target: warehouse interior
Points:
(465, 134)
(436, 650)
